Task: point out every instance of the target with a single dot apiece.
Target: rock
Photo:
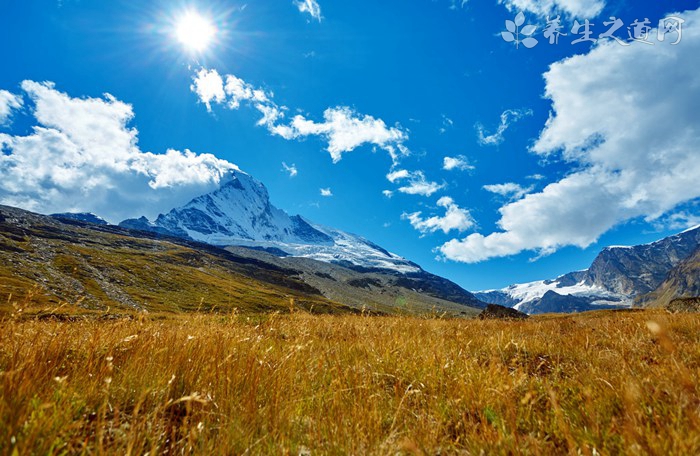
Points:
(496, 312)
(681, 305)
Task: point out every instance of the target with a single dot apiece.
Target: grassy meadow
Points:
(294, 383)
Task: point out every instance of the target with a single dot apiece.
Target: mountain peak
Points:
(240, 213)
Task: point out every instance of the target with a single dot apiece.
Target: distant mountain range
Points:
(620, 276)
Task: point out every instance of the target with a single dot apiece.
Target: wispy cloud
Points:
(398, 174)
(447, 124)
(459, 162)
(583, 9)
(455, 218)
(326, 192)
(9, 103)
(311, 7)
(510, 190)
(415, 182)
(343, 129)
(292, 170)
(678, 221)
(508, 117)
(457, 4)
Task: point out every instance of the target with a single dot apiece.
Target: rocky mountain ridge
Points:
(618, 276)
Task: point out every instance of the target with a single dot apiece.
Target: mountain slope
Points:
(47, 261)
(616, 277)
(51, 261)
(640, 269)
(553, 302)
(374, 289)
(239, 212)
(683, 281)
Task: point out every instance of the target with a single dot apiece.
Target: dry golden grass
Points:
(610, 383)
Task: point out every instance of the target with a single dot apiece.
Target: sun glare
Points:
(194, 31)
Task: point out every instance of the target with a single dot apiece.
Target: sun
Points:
(194, 31)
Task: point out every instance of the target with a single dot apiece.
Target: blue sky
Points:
(419, 80)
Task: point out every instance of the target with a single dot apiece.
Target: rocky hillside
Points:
(375, 289)
(51, 261)
(640, 269)
(683, 281)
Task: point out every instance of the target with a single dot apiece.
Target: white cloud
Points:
(342, 128)
(633, 148)
(311, 7)
(82, 156)
(399, 174)
(417, 184)
(238, 90)
(508, 117)
(447, 124)
(678, 221)
(9, 103)
(345, 130)
(582, 9)
(326, 192)
(510, 190)
(387, 193)
(209, 86)
(292, 170)
(460, 163)
(456, 4)
(536, 177)
(455, 218)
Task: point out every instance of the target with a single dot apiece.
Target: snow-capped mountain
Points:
(239, 212)
(616, 277)
(527, 297)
